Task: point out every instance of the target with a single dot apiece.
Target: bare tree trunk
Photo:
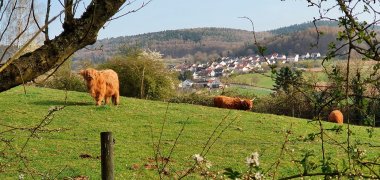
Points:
(142, 84)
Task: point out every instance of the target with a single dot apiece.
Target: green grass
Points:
(247, 91)
(57, 154)
(255, 79)
(251, 84)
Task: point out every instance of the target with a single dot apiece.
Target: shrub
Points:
(142, 74)
(193, 98)
(239, 92)
(64, 79)
(280, 103)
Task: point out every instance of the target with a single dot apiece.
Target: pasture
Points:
(71, 146)
(253, 79)
(250, 85)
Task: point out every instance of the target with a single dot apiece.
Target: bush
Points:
(64, 79)
(142, 74)
(194, 98)
(280, 103)
(239, 92)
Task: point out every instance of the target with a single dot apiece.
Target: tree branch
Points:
(47, 20)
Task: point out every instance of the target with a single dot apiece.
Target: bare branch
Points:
(1, 4)
(48, 5)
(19, 52)
(132, 11)
(34, 15)
(17, 38)
(8, 21)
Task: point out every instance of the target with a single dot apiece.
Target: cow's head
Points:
(246, 104)
(88, 74)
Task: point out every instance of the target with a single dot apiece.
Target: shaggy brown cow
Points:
(233, 103)
(336, 116)
(102, 85)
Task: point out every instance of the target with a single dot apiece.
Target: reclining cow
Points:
(233, 103)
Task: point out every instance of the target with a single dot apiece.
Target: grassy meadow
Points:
(253, 79)
(74, 132)
(250, 84)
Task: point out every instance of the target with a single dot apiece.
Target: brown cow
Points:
(102, 85)
(233, 103)
(336, 116)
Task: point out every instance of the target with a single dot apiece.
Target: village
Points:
(207, 75)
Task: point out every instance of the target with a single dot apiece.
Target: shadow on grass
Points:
(62, 103)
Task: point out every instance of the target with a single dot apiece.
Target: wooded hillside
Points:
(206, 42)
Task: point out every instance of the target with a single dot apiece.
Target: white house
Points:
(214, 83)
(186, 84)
(216, 72)
(307, 56)
(246, 69)
(223, 63)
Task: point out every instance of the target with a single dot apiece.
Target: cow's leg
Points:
(107, 99)
(116, 99)
(99, 98)
(98, 102)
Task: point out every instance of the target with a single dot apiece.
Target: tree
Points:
(183, 75)
(285, 79)
(358, 39)
(77, 33)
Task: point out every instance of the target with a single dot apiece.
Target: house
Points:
(307, 56)
(214, 83)
(195, 75)
(200, 83)
(293, 59)
(315, 55)
(274, 56)
(222, 63)
(216, 72)
(231, 66)
(282, 57)
(186, 84)
(296, 58)
(246, 69)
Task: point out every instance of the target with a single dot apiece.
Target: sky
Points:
(160, 15)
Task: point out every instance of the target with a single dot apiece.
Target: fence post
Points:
(106, 142)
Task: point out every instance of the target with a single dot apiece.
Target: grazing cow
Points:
(336, 116)
(233, 103)
(102, 85)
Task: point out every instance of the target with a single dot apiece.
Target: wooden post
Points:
(106, 142)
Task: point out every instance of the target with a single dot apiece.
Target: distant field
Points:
(248, 91)
(254, 79)
(56, 155)
(250, 84)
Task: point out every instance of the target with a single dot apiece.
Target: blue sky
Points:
(162, 15)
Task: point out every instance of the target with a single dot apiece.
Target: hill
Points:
(174, 43)
(302, 27)
(68, 145)
(300, 41)
(213, 42)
